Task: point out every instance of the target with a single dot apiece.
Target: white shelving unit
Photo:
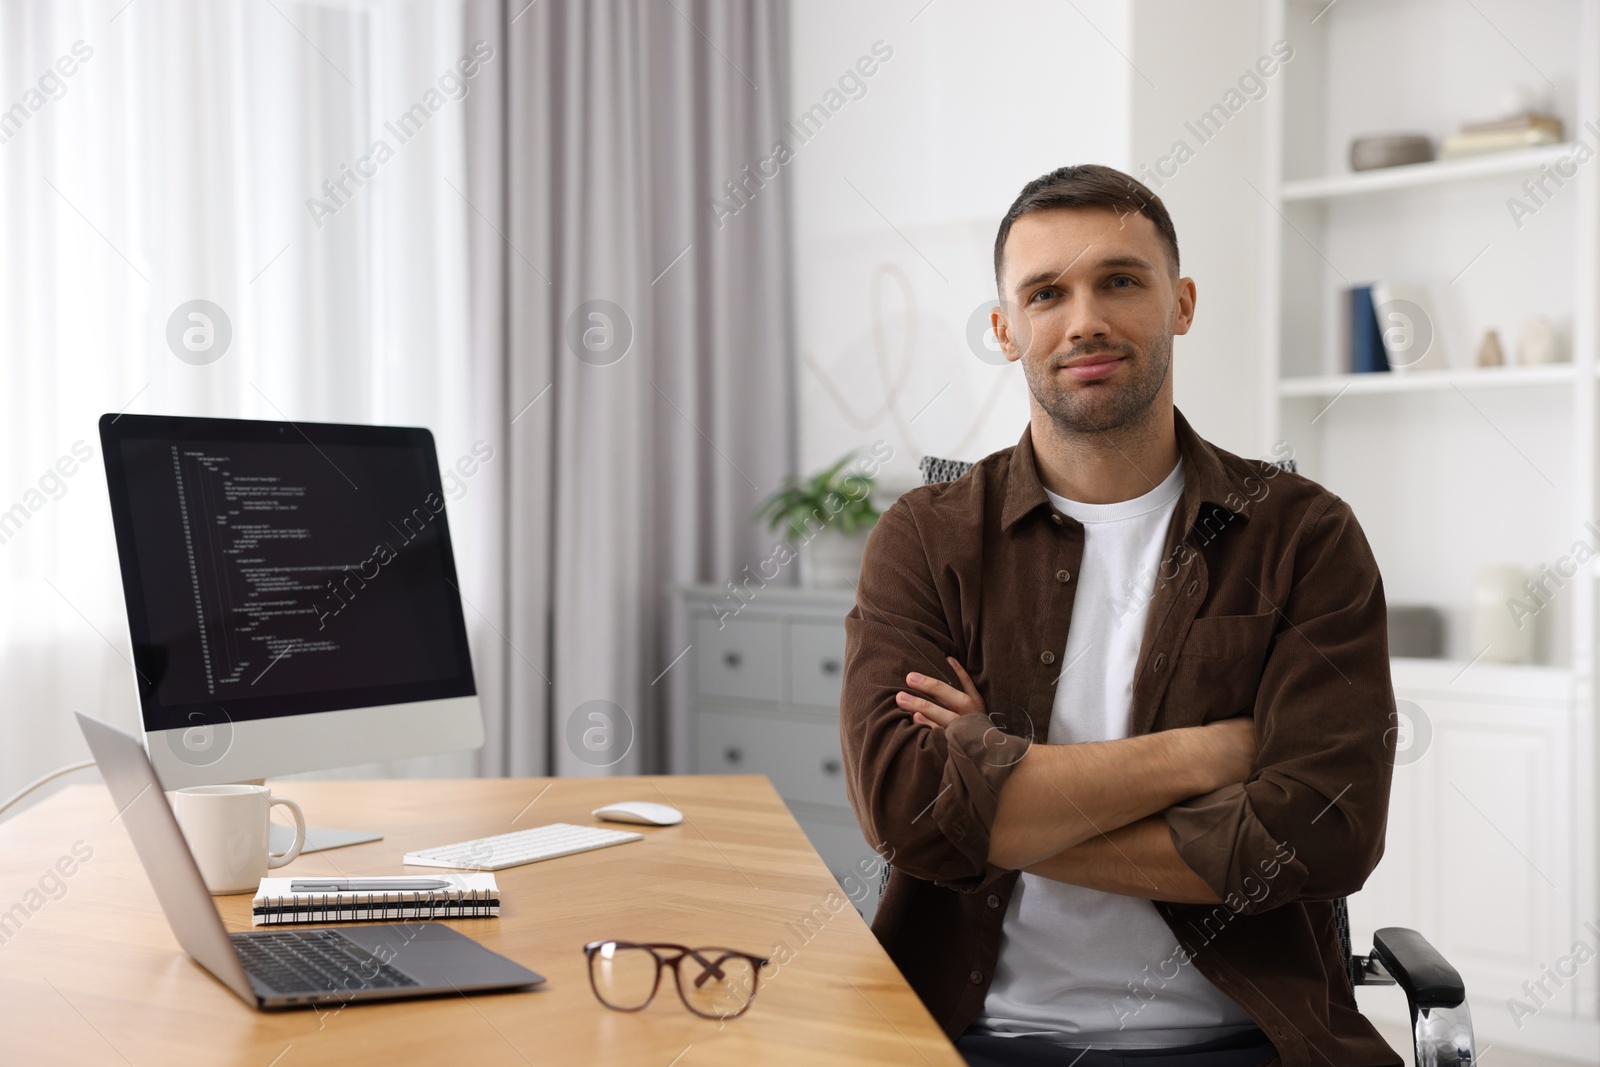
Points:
(1419, 175)
(1424, 381)
(1492, 830)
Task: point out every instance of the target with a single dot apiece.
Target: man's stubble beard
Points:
(1126, 407)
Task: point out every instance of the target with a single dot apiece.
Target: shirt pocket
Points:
(1217, 672)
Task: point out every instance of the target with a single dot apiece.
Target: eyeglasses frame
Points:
(711, 969)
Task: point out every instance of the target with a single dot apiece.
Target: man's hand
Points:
(940, 702)
(1223, 753)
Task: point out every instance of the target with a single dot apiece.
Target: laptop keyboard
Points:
(315, 961)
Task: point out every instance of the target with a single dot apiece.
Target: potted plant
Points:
(826, 517)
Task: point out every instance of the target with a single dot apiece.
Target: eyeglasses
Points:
(716, 983)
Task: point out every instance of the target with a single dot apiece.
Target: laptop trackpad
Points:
(435, 955)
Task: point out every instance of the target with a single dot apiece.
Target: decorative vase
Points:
(1490, 354)
(1505, 636)
(832, 560)
(1538, 344)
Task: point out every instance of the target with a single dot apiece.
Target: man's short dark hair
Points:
(1087, 185)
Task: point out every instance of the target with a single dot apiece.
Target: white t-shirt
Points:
(1099, 968)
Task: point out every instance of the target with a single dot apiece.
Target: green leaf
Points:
(798, 501)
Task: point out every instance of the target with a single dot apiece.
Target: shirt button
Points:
(1193, 588)
(1047, 657)
(994, 901)
(1055, 519)
(976, 977)
(1063, 576)
(1161, 660)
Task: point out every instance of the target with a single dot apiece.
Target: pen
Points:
(364, 885)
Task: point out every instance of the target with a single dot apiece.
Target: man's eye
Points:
(1122, 281)
(1043, 294)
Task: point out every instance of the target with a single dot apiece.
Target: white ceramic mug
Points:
(226, 827)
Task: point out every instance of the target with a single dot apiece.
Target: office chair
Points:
(1441, 1024)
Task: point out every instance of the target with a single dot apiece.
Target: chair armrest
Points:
(1417, 967)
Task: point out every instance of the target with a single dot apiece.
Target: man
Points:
(1116, 701)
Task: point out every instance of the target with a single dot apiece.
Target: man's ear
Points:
(1183, 307)
(1011, 330)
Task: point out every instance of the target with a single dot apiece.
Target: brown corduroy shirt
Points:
(1268, 603)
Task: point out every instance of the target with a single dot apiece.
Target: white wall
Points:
(1188, 57)
(896, 200)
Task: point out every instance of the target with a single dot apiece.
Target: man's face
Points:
(1091, 304)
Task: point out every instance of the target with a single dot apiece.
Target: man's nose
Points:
(1087, 320)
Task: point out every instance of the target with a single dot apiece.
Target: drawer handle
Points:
(830, 666)
(733, 659)
(831, 767)
(732, 755)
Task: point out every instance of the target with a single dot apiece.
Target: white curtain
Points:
(632, 335)
(402, 209)
(170, 150)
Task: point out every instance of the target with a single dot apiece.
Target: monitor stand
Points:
(319, 838)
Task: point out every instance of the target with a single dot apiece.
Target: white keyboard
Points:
(519, 847)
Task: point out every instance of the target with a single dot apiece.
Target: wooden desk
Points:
(97, 977)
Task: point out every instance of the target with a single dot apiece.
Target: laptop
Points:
(284, 968)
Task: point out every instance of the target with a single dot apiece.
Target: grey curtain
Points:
(631, 346)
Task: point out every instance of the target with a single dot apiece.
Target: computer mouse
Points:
(639, 811)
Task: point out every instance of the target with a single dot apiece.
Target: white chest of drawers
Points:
(760, 695)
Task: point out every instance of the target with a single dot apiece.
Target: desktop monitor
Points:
(292, 598)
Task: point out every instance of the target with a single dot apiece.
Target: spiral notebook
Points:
(465, 896)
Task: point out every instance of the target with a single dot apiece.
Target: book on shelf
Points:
(1526, 120)
(1501, 135)
(1363, 342)
(1404, 315)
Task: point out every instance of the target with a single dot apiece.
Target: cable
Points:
(35, 784)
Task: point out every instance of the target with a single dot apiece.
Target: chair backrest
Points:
(935, 470)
